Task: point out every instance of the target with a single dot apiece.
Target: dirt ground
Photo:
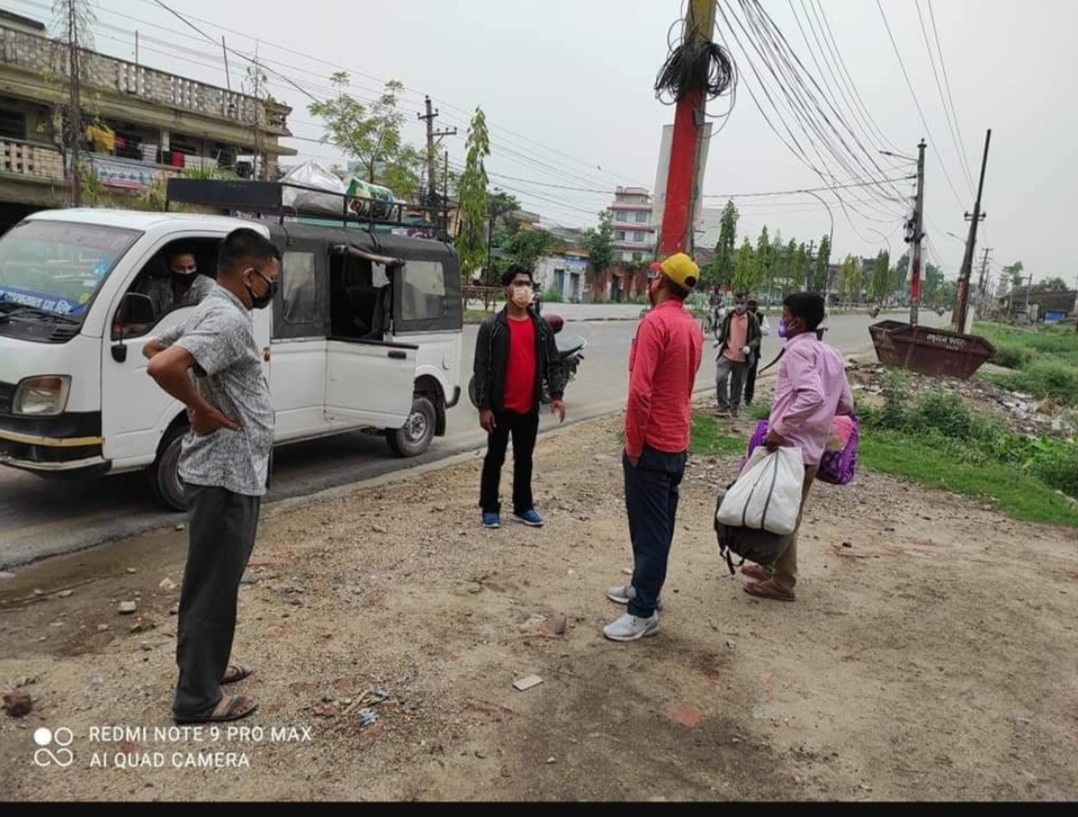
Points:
(931, 654)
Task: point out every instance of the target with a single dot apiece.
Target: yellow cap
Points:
(682, 270)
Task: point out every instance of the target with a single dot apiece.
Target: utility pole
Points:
(982, 284)
(682, 184)
(260, 163)
(75, 117)
(917, 235)
(808, 265)
(432, 155)
(971, 246)
(445, 200)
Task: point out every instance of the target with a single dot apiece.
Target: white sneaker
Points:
(632, 628)
(623, 594)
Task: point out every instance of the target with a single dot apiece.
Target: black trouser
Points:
(525, 430)
(750, 379)
(652, 490)
(222, 527)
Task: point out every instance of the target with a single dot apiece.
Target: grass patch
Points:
(1018, 495)
(1046, 361)
(708, 439)
(476, 315)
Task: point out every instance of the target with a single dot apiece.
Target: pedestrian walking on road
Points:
(754, 365)
(739, 345)
(811, 390)
(515, 353)
(213, 365)
(663, 364)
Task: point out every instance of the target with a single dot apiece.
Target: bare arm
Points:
(170, 370)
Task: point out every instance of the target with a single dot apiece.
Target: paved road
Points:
(40, 518)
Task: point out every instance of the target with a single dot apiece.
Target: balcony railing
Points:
(49, 58)
(47, 163)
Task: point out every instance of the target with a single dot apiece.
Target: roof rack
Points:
(268, 199)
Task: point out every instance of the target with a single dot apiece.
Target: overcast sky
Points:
(567, 86)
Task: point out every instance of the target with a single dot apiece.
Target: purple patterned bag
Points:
(839, 462)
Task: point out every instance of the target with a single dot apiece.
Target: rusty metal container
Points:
(929, 351)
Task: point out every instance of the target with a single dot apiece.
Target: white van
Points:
(365, 333)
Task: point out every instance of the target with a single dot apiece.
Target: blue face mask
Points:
(782, 329)
(740, 309)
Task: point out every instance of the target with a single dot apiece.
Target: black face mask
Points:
(262, 301)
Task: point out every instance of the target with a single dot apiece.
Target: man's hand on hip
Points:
(208, 420)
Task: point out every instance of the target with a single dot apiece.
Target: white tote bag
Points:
(767, 495)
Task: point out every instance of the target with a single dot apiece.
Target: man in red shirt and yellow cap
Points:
(663, 363)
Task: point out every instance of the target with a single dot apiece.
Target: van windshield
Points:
(55, 268)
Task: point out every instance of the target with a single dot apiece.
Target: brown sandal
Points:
(235, 673)
(230, 708)
(756, 572)
(767, 590)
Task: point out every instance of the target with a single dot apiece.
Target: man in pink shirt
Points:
(811, 390)
(739, 344)
(665, 357)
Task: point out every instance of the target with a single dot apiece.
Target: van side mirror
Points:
(136, 308)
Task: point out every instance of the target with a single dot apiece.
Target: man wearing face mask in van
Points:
(224, 465)
(514, 352)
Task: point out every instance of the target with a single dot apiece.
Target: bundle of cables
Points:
(691, 67)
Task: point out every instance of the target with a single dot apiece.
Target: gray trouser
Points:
(222, 527)
(729, 393)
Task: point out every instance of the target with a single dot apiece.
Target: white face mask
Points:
(522, 296)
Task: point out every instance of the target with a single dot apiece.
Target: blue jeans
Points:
(652, 490)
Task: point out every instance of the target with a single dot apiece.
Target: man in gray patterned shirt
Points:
(214, 367)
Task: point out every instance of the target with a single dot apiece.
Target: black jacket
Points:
(492, 362)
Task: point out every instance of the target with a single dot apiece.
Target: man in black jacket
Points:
(739, 345)
(514, 353)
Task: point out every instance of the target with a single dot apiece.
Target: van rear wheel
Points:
(165, 479)
(415, 436)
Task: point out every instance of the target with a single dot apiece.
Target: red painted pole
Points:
(681, 182)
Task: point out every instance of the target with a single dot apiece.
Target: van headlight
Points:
(43, 396)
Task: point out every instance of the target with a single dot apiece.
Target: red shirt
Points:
(521, 375)
(665, 357)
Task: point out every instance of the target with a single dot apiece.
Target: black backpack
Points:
(758, 546)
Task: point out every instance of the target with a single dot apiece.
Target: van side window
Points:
(423, 292)
(299, 288)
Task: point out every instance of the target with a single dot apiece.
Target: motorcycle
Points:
(874, 312)
(570, 351)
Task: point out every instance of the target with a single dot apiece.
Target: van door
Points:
(134, 409)
(369, 383)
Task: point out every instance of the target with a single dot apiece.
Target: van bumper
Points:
(70, 444)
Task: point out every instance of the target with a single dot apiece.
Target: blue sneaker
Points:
(529, 518)
(492, 521)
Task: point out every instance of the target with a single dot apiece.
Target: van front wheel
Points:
(414, 437)
(165, 472)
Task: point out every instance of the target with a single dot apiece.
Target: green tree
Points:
(1053, 285)
(745, 269)
(471, 241)
(763, 259)
(369, 134)
(1017, 273)
(932, 290)
(726, 249)
(600, 244)
(822, 266)
(902, 271)
(800, 268)
(880, 285)
(526, 247)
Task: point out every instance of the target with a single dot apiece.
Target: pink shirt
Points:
(811, 389)
(739, 336)
(663, 362)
